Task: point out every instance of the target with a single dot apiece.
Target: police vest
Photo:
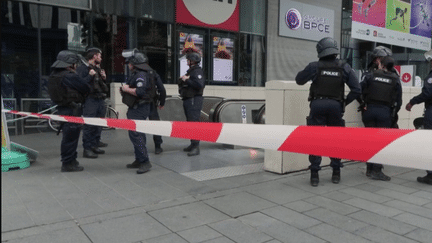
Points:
(185, 90)
(152, 91)
(61, 94)
(381, 89)
(98, 88)
(329, 81)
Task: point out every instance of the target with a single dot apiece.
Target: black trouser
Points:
(325, 112)
(377, 116)
(138, 139)
(192, 108)
(154, 116)
(93, 107)
(70, 136)
(427, 123)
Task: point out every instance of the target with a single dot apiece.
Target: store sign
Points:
(407, 74)
(218, 14)
(83, 4)
(402, 23)
(305, 21)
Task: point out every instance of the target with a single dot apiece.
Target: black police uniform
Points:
(327, 97)
(76, 92)
(159, 99)
(140, 80)
(191, 92)
(426, 97)
(94, 105)
(382, 92)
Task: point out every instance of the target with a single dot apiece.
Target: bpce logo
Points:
(293, 19)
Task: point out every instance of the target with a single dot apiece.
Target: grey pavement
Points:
(221, 196)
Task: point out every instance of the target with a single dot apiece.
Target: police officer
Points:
(191, 88)
(382, 93)
(426, 97)
(68, 91)
(327, 102)
(94, 105)
(158, 95)
(137, 95)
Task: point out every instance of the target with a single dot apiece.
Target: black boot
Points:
(89, 154)
(97, 150)
(314, 179)
(134, 165)
(158, 149)
(377, 174)
(72, 166)
(188, 148)
(426, 179)
(336, 176)
(144, 167)
(369, 169)
(102, 145)
(194, 151)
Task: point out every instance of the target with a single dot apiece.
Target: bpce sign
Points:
(293, 20)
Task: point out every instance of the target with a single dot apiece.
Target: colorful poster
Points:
(404, 23)
(223, 56)
(189, 43)
(398, 15)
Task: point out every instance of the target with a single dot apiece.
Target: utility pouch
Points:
(128, 99)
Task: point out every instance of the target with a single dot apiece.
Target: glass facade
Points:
(33, 34)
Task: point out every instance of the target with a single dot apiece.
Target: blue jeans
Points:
(138, 139)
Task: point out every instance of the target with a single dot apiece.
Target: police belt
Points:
(325, 98)
(98, 95)
(143, 101)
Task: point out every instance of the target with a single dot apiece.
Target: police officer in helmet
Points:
(137, 96)
(381, 93)
(327, 102)
(191, 88)
(68, 91)
(426, 97)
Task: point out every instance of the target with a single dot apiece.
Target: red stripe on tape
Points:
(40, 116)
(204, 131)
(121, 123)
(74, 119)
(361, 145)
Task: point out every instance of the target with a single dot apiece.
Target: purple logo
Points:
(293, 19)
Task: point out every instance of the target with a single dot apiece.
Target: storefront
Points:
(231, 39)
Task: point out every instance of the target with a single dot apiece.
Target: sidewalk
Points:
(200, 199)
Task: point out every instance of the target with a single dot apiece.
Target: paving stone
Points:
(67, 235)
(395, 187)
(239, 232)
(300, 206)
(335, 219)
(238, 204)
(415, 220)
(365, 195)
(373, 207)
(340, 208)
(187, 216)
(429, 205)
(420, 235)
(278, 192)
(110, 215)
(219, 240)
(335, 235)
(46, 212)
(403, 197)
(170, 238)
(199, 234)
(131, 228)
(386, 223)
(291, 217)
(423, 194)
(82, 207)
(407, 207)
(15, 219)
(368, 187)
(377, 234)
(278, 229)
(338, 196)
(37, 230)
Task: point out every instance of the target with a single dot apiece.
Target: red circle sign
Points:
(406, 77)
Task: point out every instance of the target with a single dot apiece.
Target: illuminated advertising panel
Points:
(223, 59)
(189, 42)
(406, 23)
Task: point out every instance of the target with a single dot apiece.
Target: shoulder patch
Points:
(199, 76)
(429, 81)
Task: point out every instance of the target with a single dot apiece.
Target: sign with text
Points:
(406, 23)
(305, 21)
(407, 74)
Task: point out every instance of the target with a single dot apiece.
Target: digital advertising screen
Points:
(189, 43)
(223, 59)
(406, 23)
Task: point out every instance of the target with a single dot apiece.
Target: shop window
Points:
(251, 61)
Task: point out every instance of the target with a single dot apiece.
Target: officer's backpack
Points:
(56, 90)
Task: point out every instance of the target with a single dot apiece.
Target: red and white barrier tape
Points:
(398, 147)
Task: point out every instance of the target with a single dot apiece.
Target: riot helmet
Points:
(65, 59)
(193, 57)
(379, 51)
(136, 58)
(327, 46)
(428, 55)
